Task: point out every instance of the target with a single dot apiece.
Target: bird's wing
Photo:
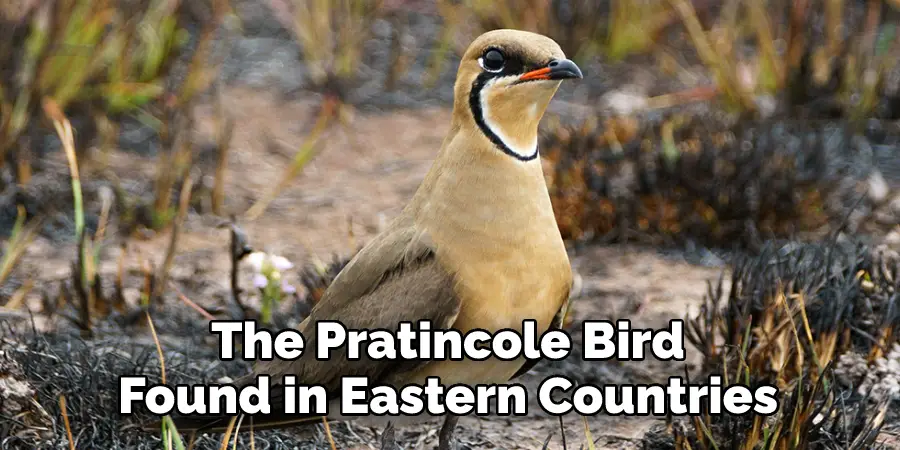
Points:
(556, 324)
(396, 278)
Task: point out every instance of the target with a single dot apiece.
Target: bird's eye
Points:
(492, 61)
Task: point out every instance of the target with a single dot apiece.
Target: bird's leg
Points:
(387, 438)
(445, 438)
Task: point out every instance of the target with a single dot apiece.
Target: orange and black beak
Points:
(558, 69)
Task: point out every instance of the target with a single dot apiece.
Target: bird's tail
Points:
(221, 423)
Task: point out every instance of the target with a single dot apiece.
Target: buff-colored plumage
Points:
(489, 216)
(476, 247)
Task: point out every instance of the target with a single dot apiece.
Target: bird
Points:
(477, 246)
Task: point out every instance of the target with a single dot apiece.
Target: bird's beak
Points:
(558, 69)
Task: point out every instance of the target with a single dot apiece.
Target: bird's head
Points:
(505, 81)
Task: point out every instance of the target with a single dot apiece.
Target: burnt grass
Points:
(832, 153)
(849, 301)
(86, 371)
(733, 184)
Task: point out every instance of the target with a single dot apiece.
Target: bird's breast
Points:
(493, 227)
(500, 292)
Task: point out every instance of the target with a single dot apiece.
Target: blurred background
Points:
(732, 162)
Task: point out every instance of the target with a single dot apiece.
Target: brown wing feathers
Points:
(398, 268)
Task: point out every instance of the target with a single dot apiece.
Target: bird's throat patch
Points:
(510, 125)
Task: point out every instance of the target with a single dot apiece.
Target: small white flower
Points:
(266, 263)
(281, 263)
(267, 272)
(256, 260)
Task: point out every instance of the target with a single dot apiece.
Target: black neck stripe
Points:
(478, 115)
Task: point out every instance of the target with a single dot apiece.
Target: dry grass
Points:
(65, 417)
(97, 62)
(328, 433)
(81, 53)
(635, 26)
(847, 65)
(332, 36)
(308, 149)
(578, 25)
(787, 318)
(85, 265)
(171, 438)
(21, 235)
